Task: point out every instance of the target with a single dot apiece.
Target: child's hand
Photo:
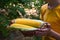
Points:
(44, 30)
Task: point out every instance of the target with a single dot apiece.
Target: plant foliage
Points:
(8, 11)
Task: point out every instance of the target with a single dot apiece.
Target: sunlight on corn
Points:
(22, 27)
(28, 22)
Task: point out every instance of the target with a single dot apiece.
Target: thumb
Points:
(46, 25)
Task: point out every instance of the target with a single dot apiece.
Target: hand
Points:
(44, 30)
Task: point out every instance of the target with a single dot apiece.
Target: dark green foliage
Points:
(11, 11)
(37, 38)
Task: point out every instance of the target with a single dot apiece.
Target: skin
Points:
(46, 30)
(54, 35)
(52, 3)
(50, 32)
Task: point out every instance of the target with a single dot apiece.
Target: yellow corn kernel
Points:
(21, 26)
(29, 22)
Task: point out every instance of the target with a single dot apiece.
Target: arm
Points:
(55, 35)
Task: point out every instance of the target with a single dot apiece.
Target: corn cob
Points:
(22, 27)
(29, 22)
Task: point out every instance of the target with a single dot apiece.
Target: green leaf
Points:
(37, 38)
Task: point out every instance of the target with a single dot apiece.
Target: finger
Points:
(47, 25)
(41, 33)
(42, 30)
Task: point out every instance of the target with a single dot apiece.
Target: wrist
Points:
(54, 35)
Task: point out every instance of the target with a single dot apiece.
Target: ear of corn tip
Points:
(22, 27)
(30, 22)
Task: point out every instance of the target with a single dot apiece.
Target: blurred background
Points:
(12, 9)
